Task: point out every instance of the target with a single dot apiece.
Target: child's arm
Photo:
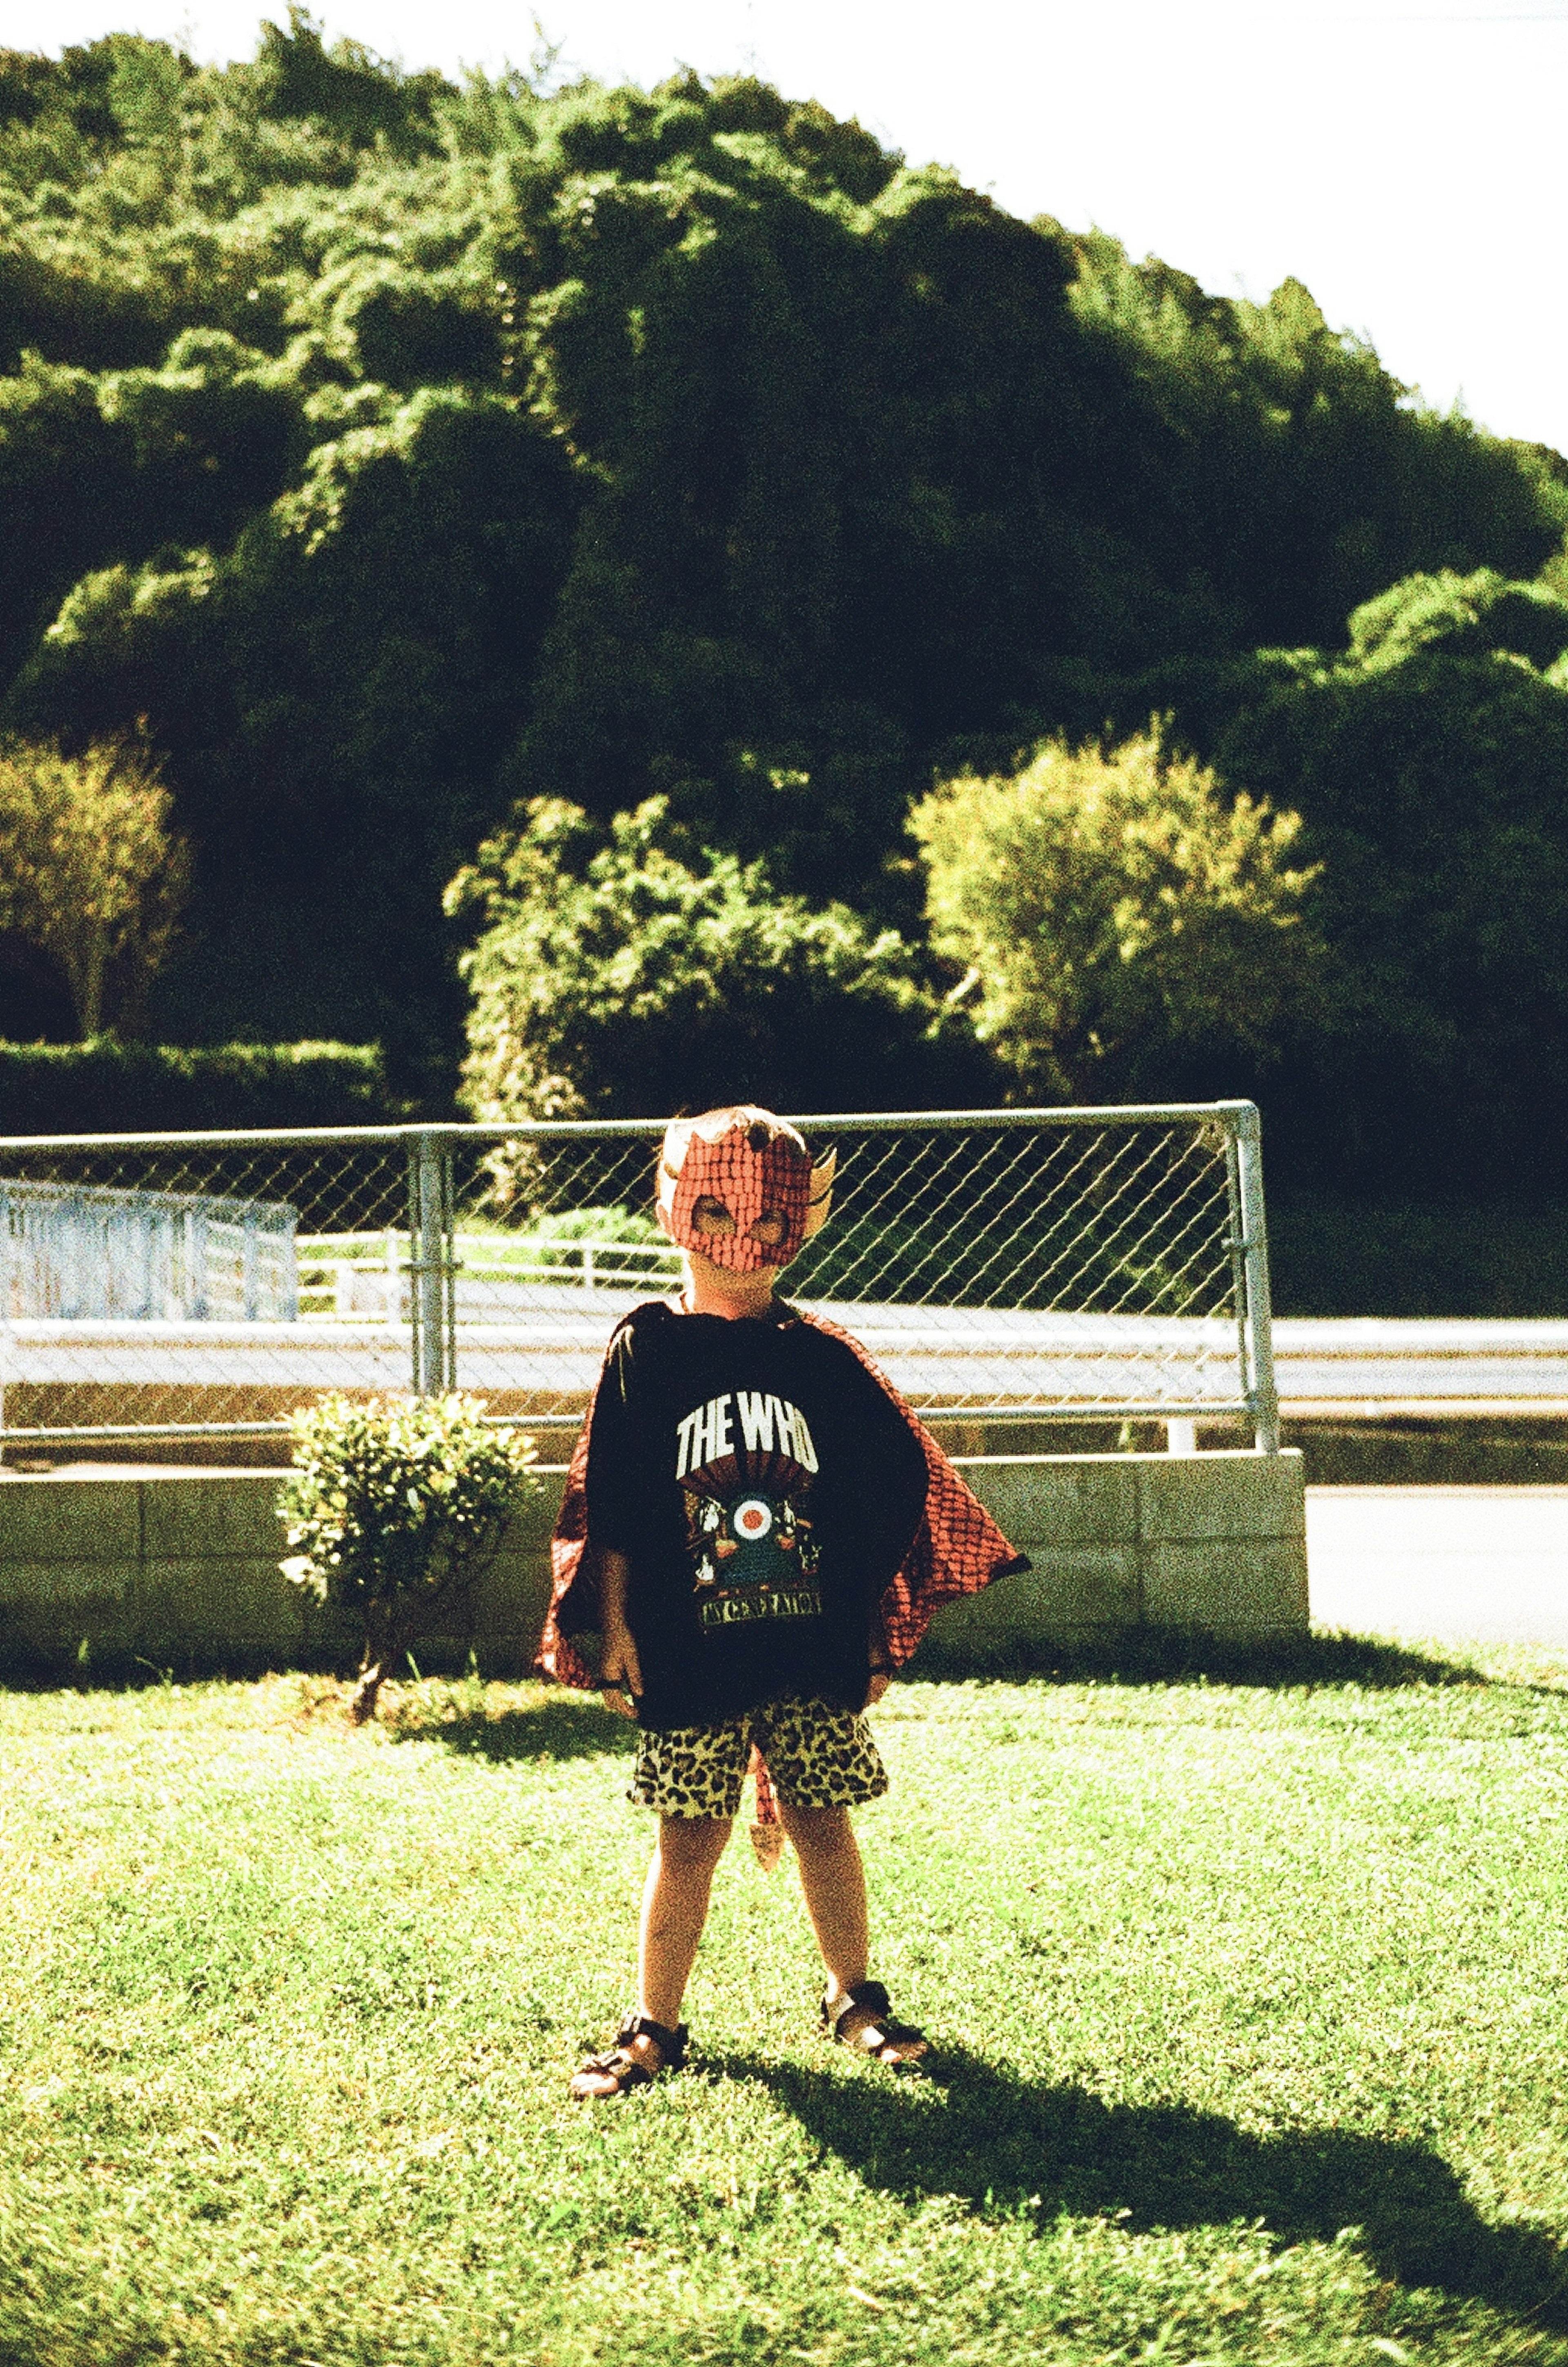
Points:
(620, 1671)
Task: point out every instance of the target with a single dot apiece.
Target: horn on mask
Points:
(820, 1203)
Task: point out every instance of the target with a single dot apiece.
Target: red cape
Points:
(956, 1549)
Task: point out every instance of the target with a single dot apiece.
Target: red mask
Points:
(757, 1175)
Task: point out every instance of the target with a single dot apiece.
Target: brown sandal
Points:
(620, 2065)
(881, 2035)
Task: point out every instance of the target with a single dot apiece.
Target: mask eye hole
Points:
(769, 1229)
(711, 1217)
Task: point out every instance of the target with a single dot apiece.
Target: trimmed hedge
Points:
(1433, 1258)
(107, 1088)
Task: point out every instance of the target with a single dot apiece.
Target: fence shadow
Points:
(563, 1729)
(1162, 1656)
(1004, 2145)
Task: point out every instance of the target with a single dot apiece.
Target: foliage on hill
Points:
(687, 477)
(1430, 763)
(624, 971)
(400, 449)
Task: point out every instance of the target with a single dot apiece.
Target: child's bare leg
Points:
(674, 1909)
(834, 1879)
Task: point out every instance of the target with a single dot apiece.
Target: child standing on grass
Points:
(758, 1531)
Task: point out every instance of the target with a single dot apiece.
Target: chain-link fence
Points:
(1041, 1265)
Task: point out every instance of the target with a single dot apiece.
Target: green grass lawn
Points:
(1249, 2001)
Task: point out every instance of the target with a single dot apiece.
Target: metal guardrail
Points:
(1376, 1368)
(1059, 1265)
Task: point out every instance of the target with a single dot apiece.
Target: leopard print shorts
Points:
(818, 1757)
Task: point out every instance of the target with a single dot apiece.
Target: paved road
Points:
(1449, 1563)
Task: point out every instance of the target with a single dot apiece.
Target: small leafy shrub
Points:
(397, 1505)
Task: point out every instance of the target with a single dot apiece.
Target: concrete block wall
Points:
(105, 1575)
(1211, 1544)
(101, 1574)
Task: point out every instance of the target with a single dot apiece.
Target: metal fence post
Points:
(6, 1308)
(431, 1317)
(1259, 1314)
(1238, 1257)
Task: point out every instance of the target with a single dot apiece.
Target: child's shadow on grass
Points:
(1001, 2143)
(547, 1729)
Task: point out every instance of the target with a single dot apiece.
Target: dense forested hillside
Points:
(399, 451)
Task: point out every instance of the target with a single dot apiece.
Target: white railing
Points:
(361, 1277)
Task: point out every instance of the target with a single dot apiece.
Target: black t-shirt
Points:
(764, 1488)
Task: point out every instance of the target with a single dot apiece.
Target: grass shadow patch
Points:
(1173, 1656)
(1008, 2148)
(561, 1728)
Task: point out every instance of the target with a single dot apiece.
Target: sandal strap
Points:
(882, 2030)
(618, 2062)
(623, 2068)
(869, 1996)
(891, 2032)
(671, 2043)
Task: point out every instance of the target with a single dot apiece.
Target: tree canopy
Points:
(619, 973)
(1118, 919)
(90, 871)
(1430, 763)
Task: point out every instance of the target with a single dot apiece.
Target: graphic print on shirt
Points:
(745, 1461)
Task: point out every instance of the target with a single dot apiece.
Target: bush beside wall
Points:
(103, 1087)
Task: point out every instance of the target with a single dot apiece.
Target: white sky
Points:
(1396, 155)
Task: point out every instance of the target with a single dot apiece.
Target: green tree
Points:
(1479, 616)
(1111, 910)
(622, 971)
(1430, 765)
(1275, 458)
(90, 869)
(348, 678)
